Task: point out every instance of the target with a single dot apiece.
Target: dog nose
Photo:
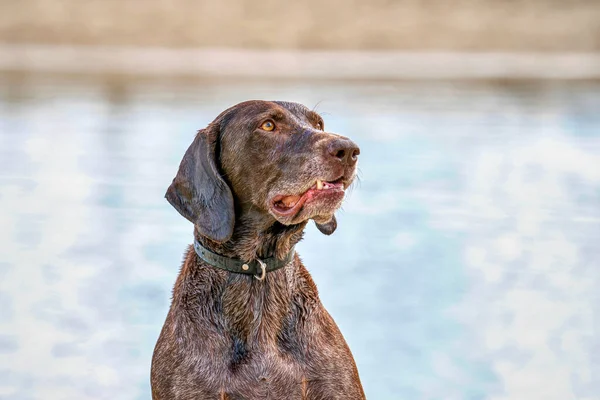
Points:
(345, 150)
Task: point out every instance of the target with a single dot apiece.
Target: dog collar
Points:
(258, 268)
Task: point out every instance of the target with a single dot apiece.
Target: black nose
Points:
(344, 150)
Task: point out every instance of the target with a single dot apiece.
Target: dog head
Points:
(274, 158)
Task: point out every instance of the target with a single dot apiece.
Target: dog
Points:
(245, 320)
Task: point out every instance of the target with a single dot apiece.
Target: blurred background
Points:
(466, 263)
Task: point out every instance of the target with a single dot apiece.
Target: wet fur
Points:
(230, 336)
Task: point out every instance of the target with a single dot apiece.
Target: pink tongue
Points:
(290, 201)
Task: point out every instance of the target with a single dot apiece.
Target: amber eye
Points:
(267, 126)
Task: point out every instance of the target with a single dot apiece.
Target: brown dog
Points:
(246, 321)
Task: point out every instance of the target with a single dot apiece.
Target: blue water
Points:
(465, 265)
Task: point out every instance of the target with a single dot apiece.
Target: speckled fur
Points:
(230, 336)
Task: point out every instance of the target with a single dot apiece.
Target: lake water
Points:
(466, 263)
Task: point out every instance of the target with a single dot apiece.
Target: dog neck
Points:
(254, 238)
(243, 302)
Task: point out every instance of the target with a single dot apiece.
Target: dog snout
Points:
(343, 150)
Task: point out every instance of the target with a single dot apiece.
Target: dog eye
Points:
(267, 126)
(320, 126)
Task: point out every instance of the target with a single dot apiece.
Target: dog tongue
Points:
(290, 201)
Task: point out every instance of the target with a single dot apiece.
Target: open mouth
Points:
(288, 205)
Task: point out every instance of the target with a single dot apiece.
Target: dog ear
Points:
(328, 227)
(198, 191)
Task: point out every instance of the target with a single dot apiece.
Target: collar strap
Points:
(257, 267)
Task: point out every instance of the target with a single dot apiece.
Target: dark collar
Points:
(258, 268)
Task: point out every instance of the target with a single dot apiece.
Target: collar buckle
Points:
(263, 273)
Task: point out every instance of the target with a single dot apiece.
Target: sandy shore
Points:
(408, 25)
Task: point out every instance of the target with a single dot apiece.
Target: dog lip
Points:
(328, 188)
(290, 211)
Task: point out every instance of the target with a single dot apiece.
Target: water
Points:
(465, 265)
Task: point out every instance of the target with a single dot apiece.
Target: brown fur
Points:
(230, 336)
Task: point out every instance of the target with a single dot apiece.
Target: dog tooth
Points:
(319, 184)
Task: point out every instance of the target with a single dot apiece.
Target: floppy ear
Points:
(199, 193)
(328, 227)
